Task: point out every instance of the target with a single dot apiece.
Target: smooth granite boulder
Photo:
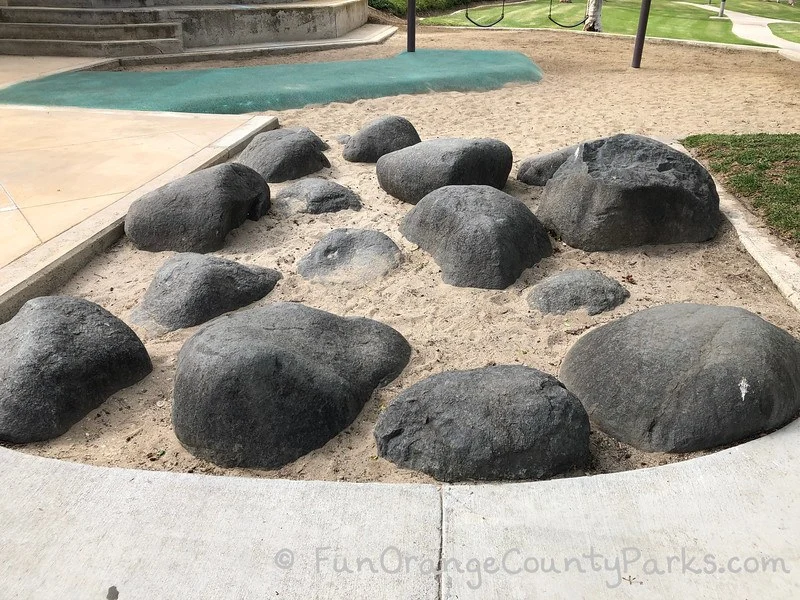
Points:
(275, 135)
(379, 137)
(350, 256)
(261, 387)
(62, 358)
(685, 377)
(314, 195)
(196, 212)
(412, 173)
(581, 288)
(495, 423)
(190, 289)
(479, 236)
(538, 170)
(629, 190)
(283, 154)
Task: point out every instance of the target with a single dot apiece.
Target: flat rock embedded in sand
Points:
(579, 288)
(315, 196)
(350, 256)
(190, 289)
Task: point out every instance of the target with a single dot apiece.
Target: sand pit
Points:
(588, 91)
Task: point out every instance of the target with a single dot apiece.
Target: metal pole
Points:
(411, 13)
(722, 9)
(638, 45)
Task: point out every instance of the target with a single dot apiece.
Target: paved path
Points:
(718, 527)
(756, 29)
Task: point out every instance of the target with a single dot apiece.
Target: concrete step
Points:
(118, 48)
(218, 25)
(90, 33)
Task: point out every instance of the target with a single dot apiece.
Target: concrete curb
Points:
(51, 264)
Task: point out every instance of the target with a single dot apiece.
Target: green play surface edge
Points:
(277, 87)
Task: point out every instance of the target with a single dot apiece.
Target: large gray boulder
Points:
(412, 173)
(495, 423)
(190, 289)
(315, 195)
(538, 170)
(629, 190)
(350, 256)
(261, 387)
(284, 154)
(196, 212)
(275, 135)
(581, 288)
(379, 137)
(685, 377)
(62, 358)
(479, 236)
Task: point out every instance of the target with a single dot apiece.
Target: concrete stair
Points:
(120, 28)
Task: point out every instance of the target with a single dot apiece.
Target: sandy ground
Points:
(588, 91)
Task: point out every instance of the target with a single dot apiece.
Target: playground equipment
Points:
(638, 44)
(493, 23)
(581, 22)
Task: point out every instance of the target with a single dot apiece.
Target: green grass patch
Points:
(760, 8)
(761, 169)
(399, 7)
(787, 31)
(668, 19)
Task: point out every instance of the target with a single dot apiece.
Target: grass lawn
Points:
(760, 8)
(668, 19)
(787, 31)
(761, 169)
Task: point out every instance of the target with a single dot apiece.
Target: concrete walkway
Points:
(756, 29)
(721, 526)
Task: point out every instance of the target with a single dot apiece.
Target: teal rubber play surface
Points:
(277, 87)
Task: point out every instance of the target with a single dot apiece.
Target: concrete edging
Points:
(51, 264)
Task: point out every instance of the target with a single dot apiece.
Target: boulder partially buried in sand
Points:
(350, 256)
(629, 190)
(190, 289)
(314, 195)
(284, 154)
(196, 212)
(581, 288)
(62, 358)
(495, 423)
(379, 137)
(261, 387)
(684, 377)
(479, 236)
(538, 170)
(412, 173)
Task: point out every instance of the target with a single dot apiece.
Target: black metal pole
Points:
(638, 45)
(411, 13)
